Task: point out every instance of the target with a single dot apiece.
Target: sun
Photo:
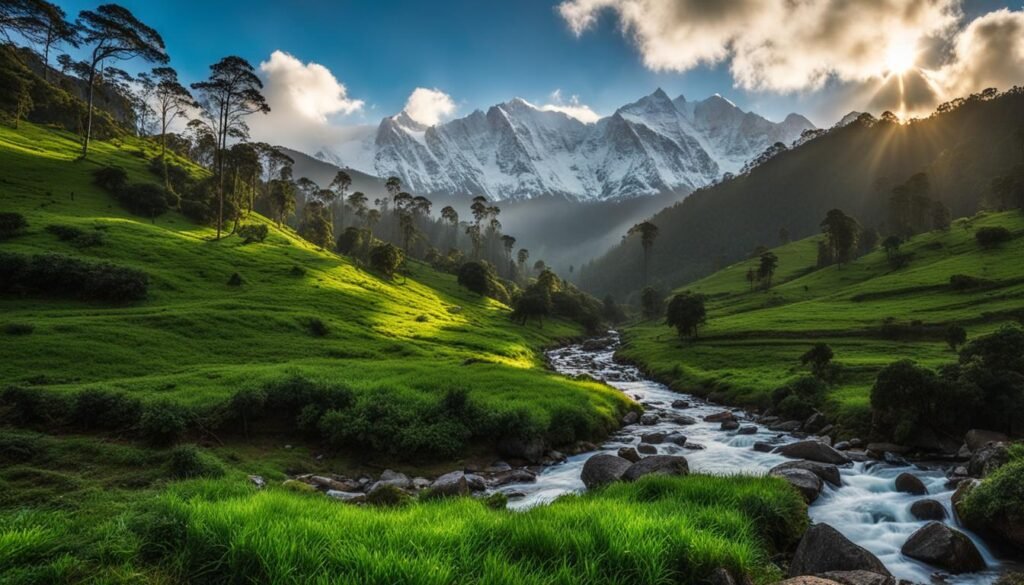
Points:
(900, 57)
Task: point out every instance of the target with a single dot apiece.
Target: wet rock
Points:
(763, 447)
(768, 419)
(682, 419)
(327, 483)
(680, 404)
(531, 450)
(988, 459)
(747, 430)
(729, 425)
(856, 443)
(815, 423)
(825, 471)
(856, 455)
(631, 418)
(498, 467)
(655, 438)
(859, 578)
(676, 439)
(975, 439)
(258, 481)
(657, 465)
(603, 469)
(649, 419)
(629, 454)
(694, 446)
(944, 547)
(451, 484)
(842, 446)
(720, 416)
(647, 449)
(910, 484)
(396, 479)
(813, 451)
(824, 549)
(347, 497)
(928, 509)
(420, 483)
(894, 459)
(805, 482)
(475, 482)
(788, 426)
(513, 476)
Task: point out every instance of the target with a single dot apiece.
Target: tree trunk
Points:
(88, 124)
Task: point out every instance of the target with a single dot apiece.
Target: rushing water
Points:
(866, 509)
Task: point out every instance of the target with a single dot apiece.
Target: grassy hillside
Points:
(197, 341)
(866, 311)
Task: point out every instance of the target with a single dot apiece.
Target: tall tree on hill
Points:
(451, 216)
(231, 93)
(766, 269)
(339, 185)
(357, 201)
(58, 31)
(842, 232)
(523, 256)
(115, 35)
(282, 198)
(509, 244)
(172, 102)
(648, 233)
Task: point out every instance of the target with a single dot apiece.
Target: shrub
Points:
(476, 276)
(145, 199)
(955, 336)
(318, 328)
(163, 423)
(110, 179)
(65, 276)
(999, 498)
(819, 357)
(961, 282)
(253, 233)
(686, 313)
(235, 279)
(18, 329)
(351, 241)
(386, 259)
(11, 224)
(197, 211)
(187, 462)
(17, 448)
(77, 237)
(799, 399)
(534, 303)
(907, 400)
(103, 409)
(990, 237)
(26, 406)
(496, 501)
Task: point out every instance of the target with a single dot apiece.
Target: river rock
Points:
(603, 469)
(451, 484)
(421, 483)
(729, 425)
(649, 419)
(763, 447)
(680, 404)
(682, 419)
(347, 497)
(928, 509)
(647, 449)
(747, 430)
(531, 450)
(328, 483)
(657, 465)
(813, 451)
(694, 446)
(988, 459)
(824, 549)
(631, 418)
(944, 547)
(910, 484)
(805, 482)
(842, 446)
(859, 578)
(629, 454)
(720, 416)
(825, 471)
(978, 438)
(655, 438)
(512, 476)
(475, 482)
(676, 439)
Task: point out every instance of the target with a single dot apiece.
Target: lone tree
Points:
(232, 92)
(842, 232)
(819, 358)
(686, 313)
(115, 35)
(648, 233)
(766, 270)
(955, 336)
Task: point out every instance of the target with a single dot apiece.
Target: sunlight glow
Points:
(901, 57)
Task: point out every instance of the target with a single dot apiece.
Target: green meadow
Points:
(870, 313)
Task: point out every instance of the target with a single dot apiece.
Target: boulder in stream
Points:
(909, 483)
(825, 471)
(647, 449)
(720, 416)
(730, 425)
(747, 430)
(813, 451)
(655, 438)
(657, 465)
(808, 484)
(649, 419)
(928, 509)
(676, 439)
(631, 418)
(603, 469)
(944, 547)
(680, 404)
(629, 454)
(824, 549)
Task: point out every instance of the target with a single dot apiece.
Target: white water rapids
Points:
(867, 509)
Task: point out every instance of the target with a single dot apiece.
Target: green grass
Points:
(196, 340)
(753, 340)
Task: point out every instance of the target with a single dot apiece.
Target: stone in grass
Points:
(603, 469)
(657, 465)
(805, 482)
(347, 497)
(451, 484)
(944, 547)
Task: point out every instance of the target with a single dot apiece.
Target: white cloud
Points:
(572, 107)
(303, 98)
(429, 106)
(988, 53)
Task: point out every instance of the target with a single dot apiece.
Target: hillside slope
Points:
(853, 168)
(197, 341)
(868, 312)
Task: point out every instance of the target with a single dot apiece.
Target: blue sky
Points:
(478, 52)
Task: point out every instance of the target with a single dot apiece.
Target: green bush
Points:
(18, 329)
(104, 409)
(56, 274)
(799, 399)
(146, 199)
(317, 328)
(990, 237)
(28, 406)
(1000, 496)
(11, 224)
(386, 259)
(163, 423)
(235, 279)
(253, 233)
(188, 462)
(17, 448)
(77, 237)
(110, 179)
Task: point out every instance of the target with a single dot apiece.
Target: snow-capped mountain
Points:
(518, 151)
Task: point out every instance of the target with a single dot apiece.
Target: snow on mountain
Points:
(517, 151)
